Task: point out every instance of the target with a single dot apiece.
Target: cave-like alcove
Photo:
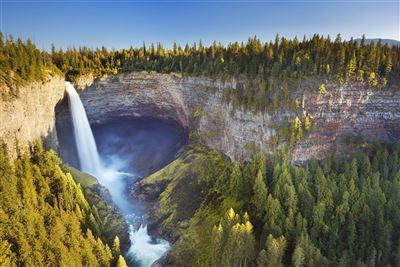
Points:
(145, 144)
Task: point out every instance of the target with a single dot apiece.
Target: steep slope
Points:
(340, 113)
(200, 104)
(273, 213)
(31, 116)
(46, 219)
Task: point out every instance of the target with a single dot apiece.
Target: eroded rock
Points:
(31, 115)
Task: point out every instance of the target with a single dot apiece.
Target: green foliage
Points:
(268, 62)
(44, 215)
(21, 62)
(297, 129)
(307, 124)
(121, 262)
(268, 71)
(328, 213)
(275, 250)
(322, 89)
(5, 254)
(306, 254)
(186, 178)
(372, 80)
(260, 193)
(105, 217)
(233, 241)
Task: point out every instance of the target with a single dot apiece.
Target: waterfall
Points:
(85, 143)
(144, 249)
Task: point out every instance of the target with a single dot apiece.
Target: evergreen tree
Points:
(121, 262)
(38, 219)
(260, 195)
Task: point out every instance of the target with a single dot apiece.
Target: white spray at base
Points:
(143, 249)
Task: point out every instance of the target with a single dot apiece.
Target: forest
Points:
(268, 212)
(263, 212)
(283, 58)
(45, 218)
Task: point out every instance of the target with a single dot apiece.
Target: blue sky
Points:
(121, 23)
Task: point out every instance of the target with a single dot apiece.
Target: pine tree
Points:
(260, 194)
(235, 181)
(389, 65)
(298, 258)
(5, 252)
(275, 251)
(307, 124)
(121, 262)
(116, 249)
(297, 129)
(351, 67)
(322, 89)
(262, 259)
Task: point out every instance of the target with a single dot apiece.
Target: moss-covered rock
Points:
(180, 200)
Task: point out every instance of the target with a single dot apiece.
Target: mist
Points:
(117, 154)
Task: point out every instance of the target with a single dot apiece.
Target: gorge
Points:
(197, 104)
(144, 249)
(171, 105)
(199, 133)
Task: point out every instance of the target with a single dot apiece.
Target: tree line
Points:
(269, 63)
(282, 58)
(22, 62)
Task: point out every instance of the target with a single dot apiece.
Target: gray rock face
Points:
(31, 116)
(197, 103)
(369, 115)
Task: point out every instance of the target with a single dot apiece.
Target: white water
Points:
(144, 250)
(87, 150)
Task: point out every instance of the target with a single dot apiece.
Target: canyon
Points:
(197, 105)
(196, 108)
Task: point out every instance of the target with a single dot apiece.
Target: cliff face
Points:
(349, 112)
(31, 115)
(197, 104)
(193, 103)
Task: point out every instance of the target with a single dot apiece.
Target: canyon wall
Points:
(197, 103)
(348, 115)
(31, 115)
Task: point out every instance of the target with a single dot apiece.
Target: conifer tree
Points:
(121, 262)
(260, 194)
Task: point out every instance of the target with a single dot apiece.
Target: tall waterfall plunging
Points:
(85, 143)
(144, 249)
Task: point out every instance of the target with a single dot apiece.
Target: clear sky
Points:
(121, 23)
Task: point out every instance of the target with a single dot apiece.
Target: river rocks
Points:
(31, 115)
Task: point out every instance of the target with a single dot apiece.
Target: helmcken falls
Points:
(144, 249)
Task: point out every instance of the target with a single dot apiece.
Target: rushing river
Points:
(125, 151)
